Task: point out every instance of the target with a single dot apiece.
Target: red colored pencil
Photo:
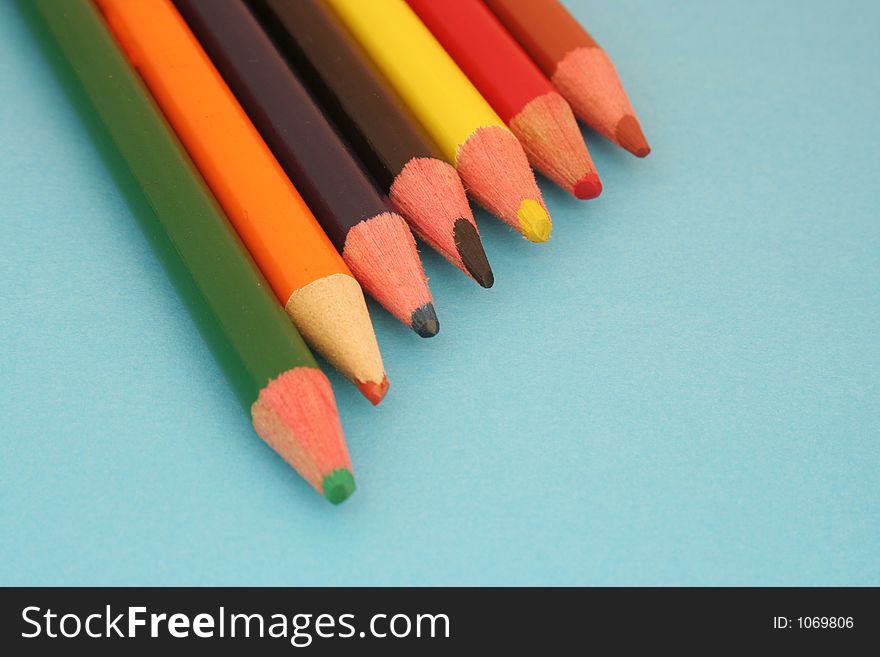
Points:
(577, 66)
(515, 88)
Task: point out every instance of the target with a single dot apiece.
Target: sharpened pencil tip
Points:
(470, 250)
(629, 135)
(424, 321)
(534, 222)
(588, 187)
(373, 391)
(338, 485)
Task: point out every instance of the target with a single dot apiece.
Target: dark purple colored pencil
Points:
(374, 241)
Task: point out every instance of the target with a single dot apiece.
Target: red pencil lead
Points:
(515, 88)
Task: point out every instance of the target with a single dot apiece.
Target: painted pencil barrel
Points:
(390, 143)
(515, 88)
(578, 67)
(447, 103)
(351, 90)
(227, 296)
(375, 242)
(306, 271)
(488, 157)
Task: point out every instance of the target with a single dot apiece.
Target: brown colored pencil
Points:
(578, 67)
(392, 146)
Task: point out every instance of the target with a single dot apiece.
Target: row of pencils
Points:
(280, 154)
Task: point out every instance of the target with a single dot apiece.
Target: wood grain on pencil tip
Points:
(469, 132)
(430, 187)
(338, 301)
(375, 242)
(515, 88)
(494, 166)
(261, 353)
(394, 149)
(577, 65)
(285, 415)
(308, 276)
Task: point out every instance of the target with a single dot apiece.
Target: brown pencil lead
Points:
(629, 135)
(470, 250)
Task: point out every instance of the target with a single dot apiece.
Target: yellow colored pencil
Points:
(470, 134)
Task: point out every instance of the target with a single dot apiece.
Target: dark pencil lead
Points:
(471, 252)
(424, 321)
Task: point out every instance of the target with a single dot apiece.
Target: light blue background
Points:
(680, 388)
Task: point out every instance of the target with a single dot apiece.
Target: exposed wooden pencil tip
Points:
(331, 313)
(630, 136)
(429, 194)
(381, 252)
(470, 250)
(588, 187)
(549, 133)
(496, 172)
(373, 391)
(424, 321)
(587, 79)
(296, 415)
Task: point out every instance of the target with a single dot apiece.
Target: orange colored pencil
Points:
(304, 269)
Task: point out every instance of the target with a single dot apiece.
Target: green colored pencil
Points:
(289, 398)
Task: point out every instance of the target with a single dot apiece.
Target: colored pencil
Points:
(390, 143)
(577, 66)
(264, 358)
(374, 241)
(473, 138)
(515, 88)
(307, 274)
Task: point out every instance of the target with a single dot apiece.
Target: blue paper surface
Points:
(681, 387)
